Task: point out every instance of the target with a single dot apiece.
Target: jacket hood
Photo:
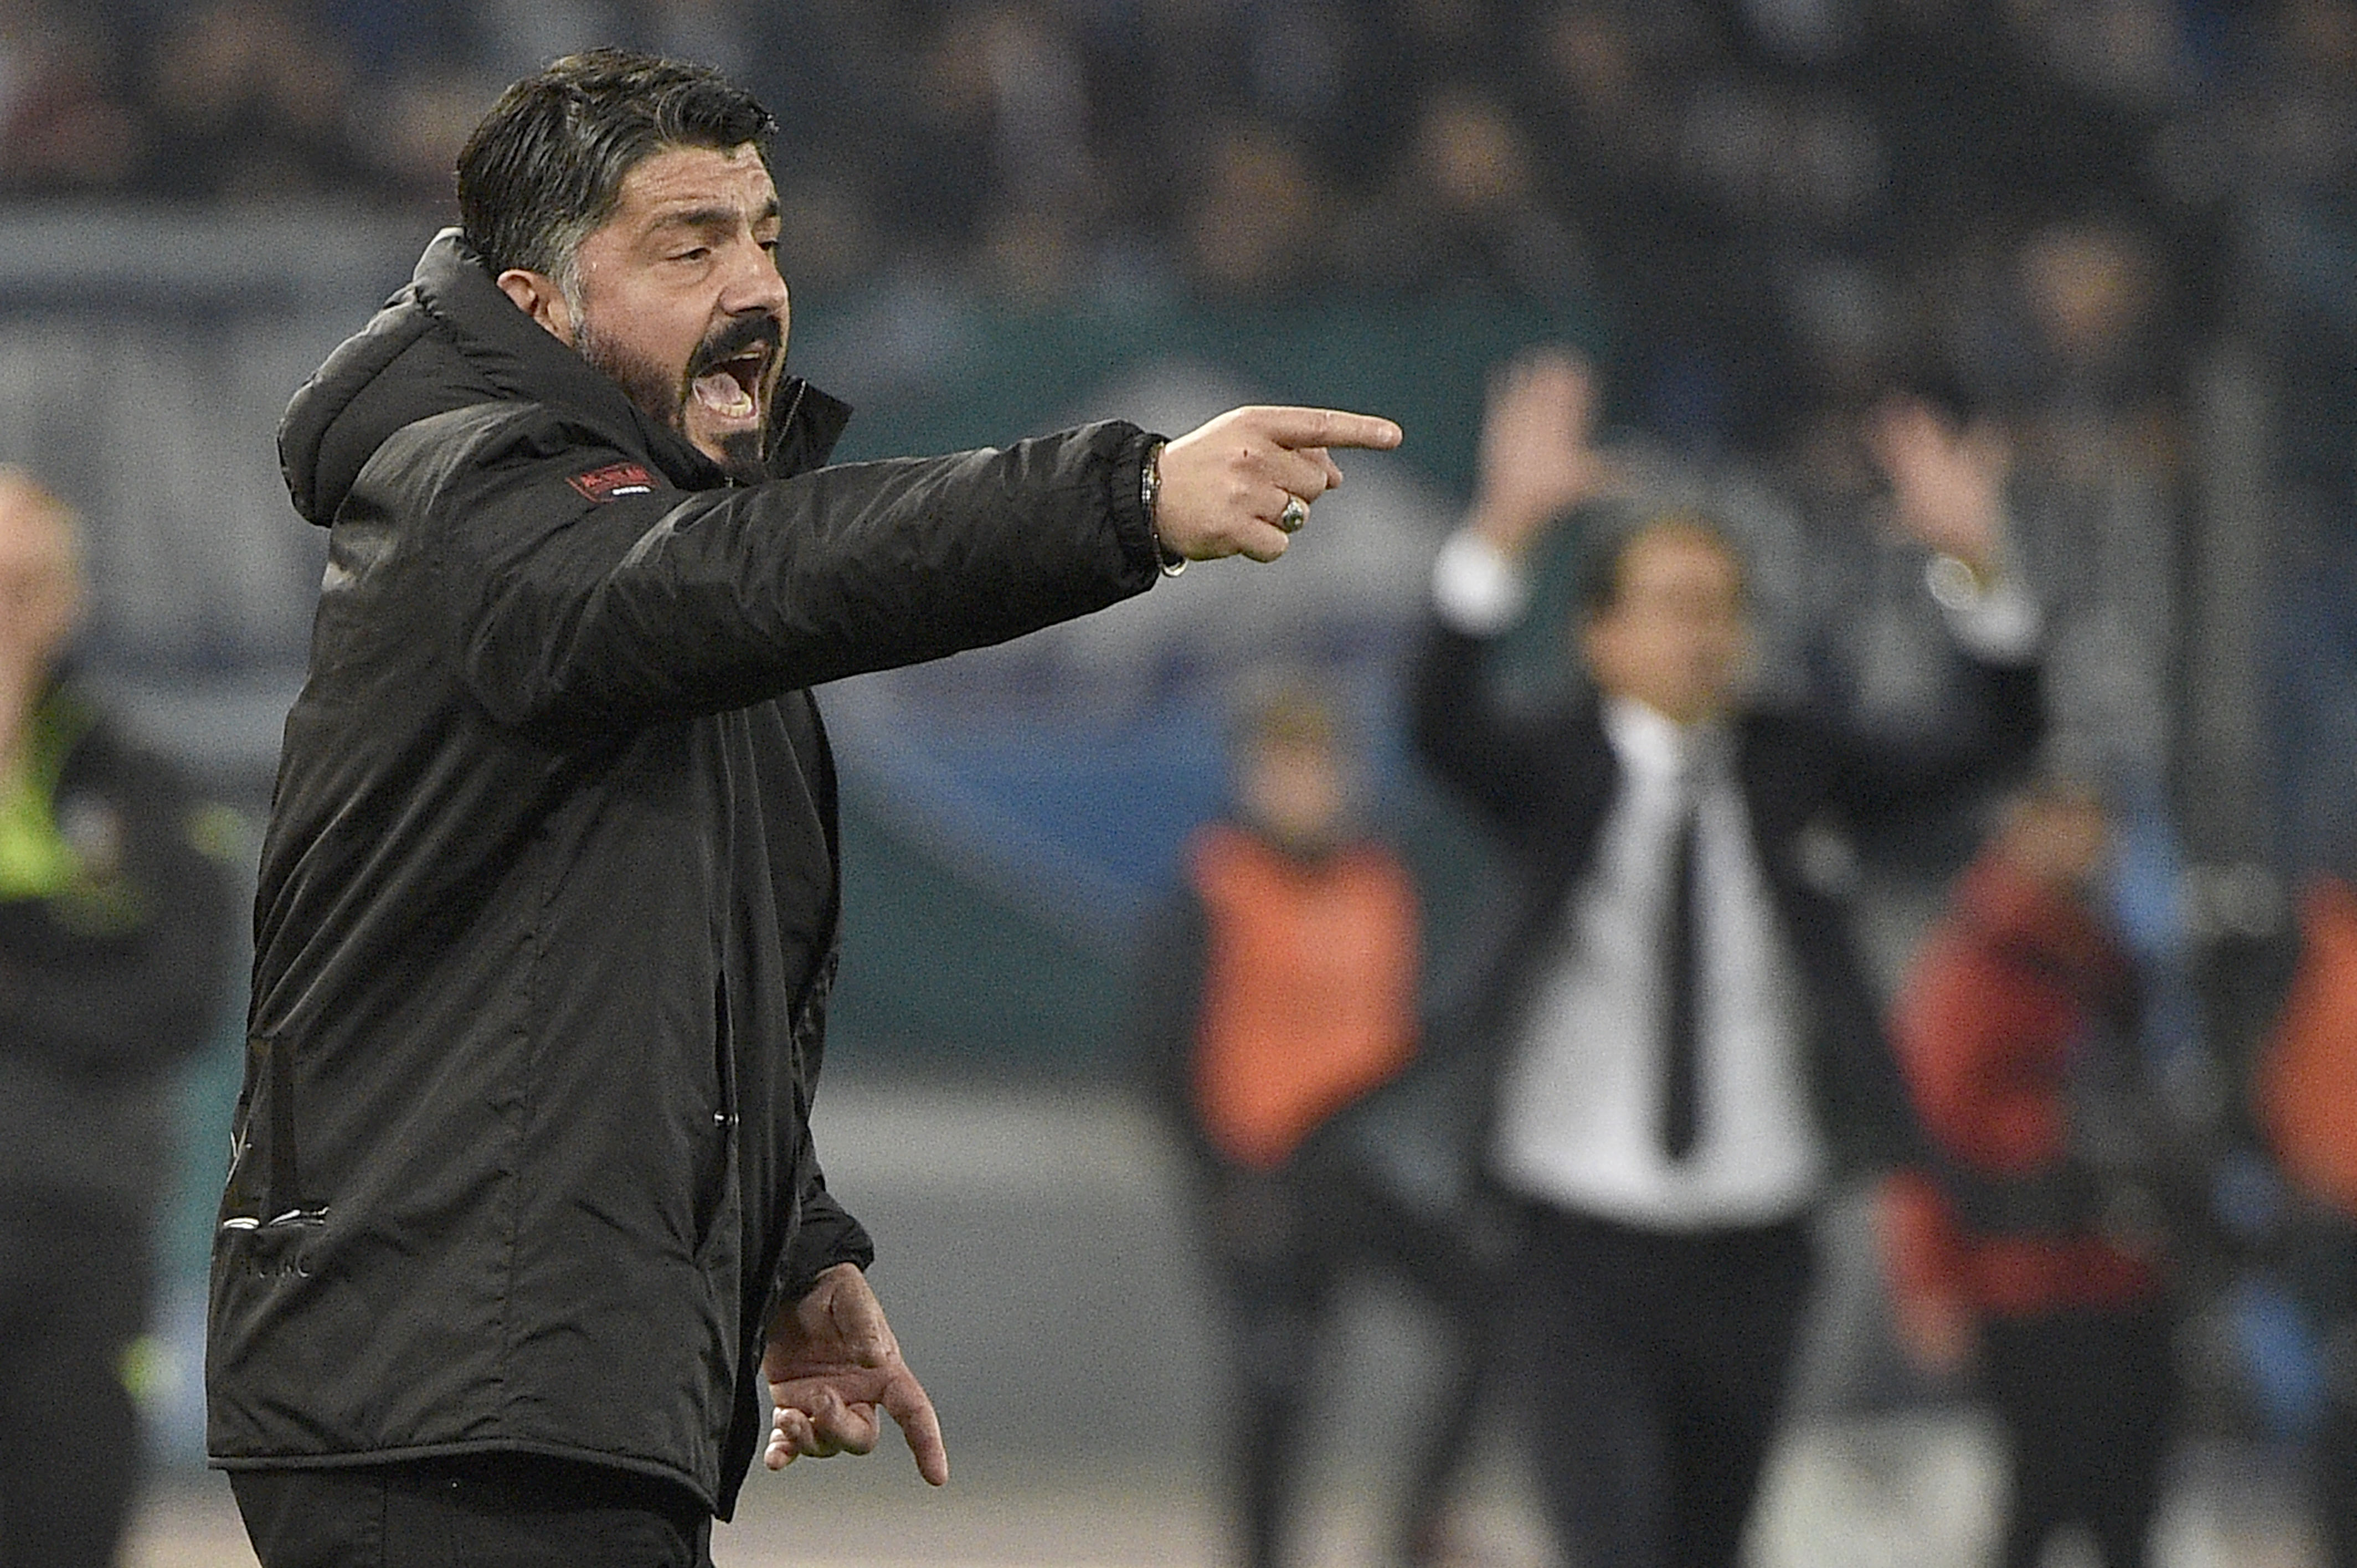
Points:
(451, 339)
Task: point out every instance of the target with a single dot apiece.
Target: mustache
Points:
(756, 330)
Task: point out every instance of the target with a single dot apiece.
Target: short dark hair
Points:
(546, 165)
(1604, 557)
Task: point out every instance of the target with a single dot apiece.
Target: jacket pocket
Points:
(264, 1200)
(716, 1155)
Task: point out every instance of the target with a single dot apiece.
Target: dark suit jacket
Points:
(1545, 779)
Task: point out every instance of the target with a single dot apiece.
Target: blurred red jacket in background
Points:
(2005, 987)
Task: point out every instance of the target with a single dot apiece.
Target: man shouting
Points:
(524, 1206)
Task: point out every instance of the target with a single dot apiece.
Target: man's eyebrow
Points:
(713, 217)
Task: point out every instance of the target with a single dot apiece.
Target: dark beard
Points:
(741, 454)
(660, 397)
(665, 398)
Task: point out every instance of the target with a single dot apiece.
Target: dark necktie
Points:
(1680, 1042)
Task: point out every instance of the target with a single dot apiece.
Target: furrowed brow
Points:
(700, 219)
(713, 219)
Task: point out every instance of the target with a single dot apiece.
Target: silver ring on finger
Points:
(1296, 513)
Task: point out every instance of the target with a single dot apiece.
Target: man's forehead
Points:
(1678, 552)
(678, 182)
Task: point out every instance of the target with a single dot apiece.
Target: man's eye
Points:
(694, 253)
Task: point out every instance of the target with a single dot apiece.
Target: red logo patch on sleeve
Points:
(613, 482)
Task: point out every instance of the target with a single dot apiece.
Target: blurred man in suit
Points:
(1687, 1049)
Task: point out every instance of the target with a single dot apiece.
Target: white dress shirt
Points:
(1579, 1120)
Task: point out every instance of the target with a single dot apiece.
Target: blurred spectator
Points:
(1463, 211)
(2275, 159)
(250, 103)
(2035, 1236)
(853, 158)
(2305, 1098)
(1281, 990)
(420, 123)
(1010, 178)
(2284, 161)
(1259, 229)
(1687, 1049)
(113, 965)
(2100, 488)
(1700, 183)
(65, 122)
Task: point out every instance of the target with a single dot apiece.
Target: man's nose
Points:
(753, 282)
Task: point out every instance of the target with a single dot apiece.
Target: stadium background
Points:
(1005, 216)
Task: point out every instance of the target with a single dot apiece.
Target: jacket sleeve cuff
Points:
(828, 1236)
(1141, 550)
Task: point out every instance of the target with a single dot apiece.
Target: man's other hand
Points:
(831, 1362)
(1227, 484)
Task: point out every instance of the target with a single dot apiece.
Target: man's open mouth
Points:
(732, 388)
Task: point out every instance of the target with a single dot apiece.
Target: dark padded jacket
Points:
(547, 907)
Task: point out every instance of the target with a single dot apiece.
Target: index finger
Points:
(906, 1399)
(1298, 427)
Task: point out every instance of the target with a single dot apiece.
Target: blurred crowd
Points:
(1767, 195)
(2065, 215)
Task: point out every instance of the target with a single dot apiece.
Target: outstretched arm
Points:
(832, 1363)
(566, 608)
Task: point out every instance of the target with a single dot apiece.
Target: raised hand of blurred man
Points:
(1538, 456)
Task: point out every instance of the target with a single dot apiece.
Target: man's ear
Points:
(537, 296)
